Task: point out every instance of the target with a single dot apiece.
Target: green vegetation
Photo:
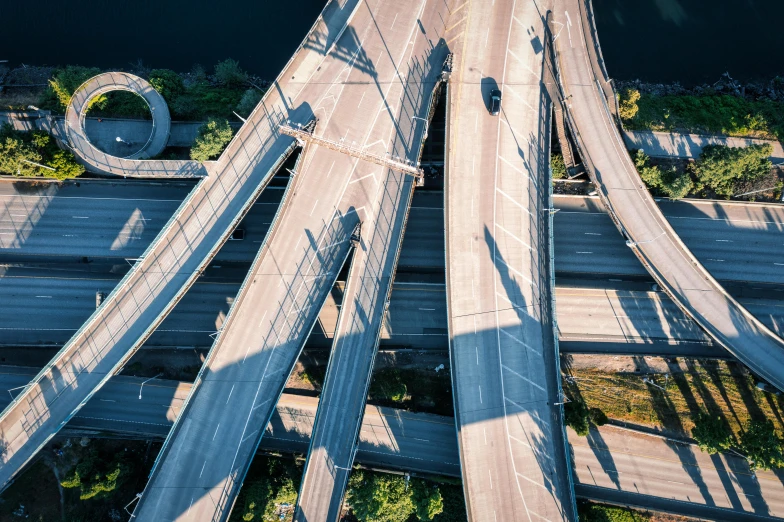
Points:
(388, 386)
(168, 83)
(412, 389)
(95, 477)
(669, 182)
(63, 84)
(711, 432)
(269, 491)
(228, 72)
(720, 389)
(725, 169)
(212, 139)
(249, 100)
(579, 417)
(628, 104)
(557, 166)
(590, 512)
(22, 153)
(381, 497)
(761, 445)
(707, 114)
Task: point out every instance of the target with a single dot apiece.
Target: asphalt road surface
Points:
(649, 233)
(502, 346)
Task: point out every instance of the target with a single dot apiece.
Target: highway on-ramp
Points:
(649, 234)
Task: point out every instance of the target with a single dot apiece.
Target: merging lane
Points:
(650, 235)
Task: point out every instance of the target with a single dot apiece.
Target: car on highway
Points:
(495, 102)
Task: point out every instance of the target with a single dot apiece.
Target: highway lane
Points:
(100, 219)
(170, 265)
(107, 219)
(650, 235)
(610, 458)
(599, 313)
(201, 467)
(374, 260)
(502, 340)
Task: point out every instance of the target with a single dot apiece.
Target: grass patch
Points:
(720, 388)
(413, 390)
(707, 114)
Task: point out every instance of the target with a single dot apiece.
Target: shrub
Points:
(228, 72)
(427, 499)
(762, 445)
(249, 100)
(577, 417)
(723, 168)
(597, 416)
(20, 151)
(557, 166)
(670, 183)
(212, 139)
(65, 81)
(628, 106)
(711, 433)
(387, 385)
(168, 83)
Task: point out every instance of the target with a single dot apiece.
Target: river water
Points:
(691, 41)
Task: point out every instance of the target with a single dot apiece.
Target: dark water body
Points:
(691, 41)
(175, 34)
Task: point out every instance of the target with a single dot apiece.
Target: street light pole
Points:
(145, 382)
(631, 244)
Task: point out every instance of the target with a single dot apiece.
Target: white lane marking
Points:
(44, 296)
(592, 234)
(107, 400)
(490, 474)
(484, 430)
(393, 21)
(202, 468)
(262, 317)
(585, 252)
(526, 379)
(298, 240)
(724, 241)
(333, 163)
(477, 355)
(216, 431)
(487, 35)
(480, 395)
(373, 175)
(514, 237)
(230, 392)
(80, 217)
(427, 309)
(779, 264)
(311, 213)
(510, 198)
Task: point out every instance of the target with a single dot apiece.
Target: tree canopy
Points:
(212, 139)
(711, 433)
(761, 445)
(380, 497)
(65, 81)
(22, 153)
(668, 182)
(722, 168)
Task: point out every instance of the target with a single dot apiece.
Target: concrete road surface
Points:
(204, 461)
(660, 474)
(169, 266)
(416, 25)
(504, 361)
(649, 233)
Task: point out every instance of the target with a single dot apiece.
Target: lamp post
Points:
(145, 382)
(120, 140)
(632, 244)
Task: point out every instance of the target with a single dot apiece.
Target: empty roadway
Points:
(501, 335)
(651, 236)
(203, 463)
(615, 460)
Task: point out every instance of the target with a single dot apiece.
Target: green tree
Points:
(427, 499)
(95, 476)
(577, 417)
(17, 158)
(388, 385)
(65, 165)
(228, 72)
(168, 83)
(65, 81)
(761, 445)
(711, 433)
(249, 100)
(628, 106)
(721, 168)
(557, 166)
(669, 182)
(212, 139)
(597, 416)
(378, 497)
(21, 151)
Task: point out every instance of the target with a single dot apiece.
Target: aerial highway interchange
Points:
(475, 260)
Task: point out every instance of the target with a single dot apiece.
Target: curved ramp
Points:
(634, 211)
(137, 164)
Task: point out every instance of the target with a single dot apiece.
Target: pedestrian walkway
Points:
(677, 145)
